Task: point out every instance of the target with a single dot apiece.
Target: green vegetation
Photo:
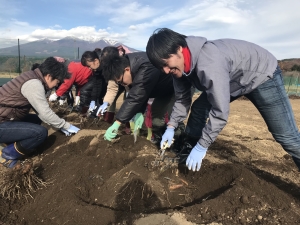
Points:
(10, 64)
(295, 67)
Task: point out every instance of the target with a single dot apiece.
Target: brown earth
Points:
(246, 178)
(287, 64)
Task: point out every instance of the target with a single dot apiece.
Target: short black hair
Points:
(110, 51)
(98, 51)
(57, 70)
(113, 67)
(34, 66)
(90, 56)
(162, 43)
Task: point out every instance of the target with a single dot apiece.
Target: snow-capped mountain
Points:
(68, 47)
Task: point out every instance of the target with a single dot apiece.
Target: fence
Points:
(292, 83)
(14, 61)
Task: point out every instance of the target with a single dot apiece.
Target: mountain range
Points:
(68, 47)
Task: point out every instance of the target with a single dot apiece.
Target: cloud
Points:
(266, 23)
(123, 12)
(132, 27)
(269, 23)
(81, 32)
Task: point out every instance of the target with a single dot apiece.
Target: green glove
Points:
(138, 121)
(112, 131)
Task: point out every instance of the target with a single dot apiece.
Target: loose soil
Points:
(246, 178)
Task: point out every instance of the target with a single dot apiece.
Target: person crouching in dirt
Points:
(80, 76)
(95, 89)
(20, 131)
(224, 70)
(144, 81)
(112, 90)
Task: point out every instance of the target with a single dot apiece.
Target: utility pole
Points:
(297, 84)
(19, 57)
(74, 49)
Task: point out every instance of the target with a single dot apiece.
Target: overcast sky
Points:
(272, 24)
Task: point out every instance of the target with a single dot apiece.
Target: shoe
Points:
(183, 146)
(156, 138)
(157, 133)
(10, 156)
(186, 149)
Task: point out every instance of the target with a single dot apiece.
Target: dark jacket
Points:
(94, 89)
(147, 82)
(13, 105)
(99, 85)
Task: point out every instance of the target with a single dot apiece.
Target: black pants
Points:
(88, 92)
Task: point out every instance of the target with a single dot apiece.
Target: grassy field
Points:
(8, 75)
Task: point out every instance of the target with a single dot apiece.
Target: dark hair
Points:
(90, 56)
(57, 70)
(113, 67)
(162, 43)
(34, 66)
(98, 51)
(110, 51)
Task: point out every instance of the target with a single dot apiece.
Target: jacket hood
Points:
(195, 45)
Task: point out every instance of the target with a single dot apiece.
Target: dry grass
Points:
(8, 75)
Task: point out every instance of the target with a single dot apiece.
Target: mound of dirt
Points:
(93, 181)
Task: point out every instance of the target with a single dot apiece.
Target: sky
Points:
(272, 24)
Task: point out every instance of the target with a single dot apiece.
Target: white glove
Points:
(65, 132)
(92, 106)
(71, 130)
(167, 137)
(53, 97)
(61, 102)
(77, 100)
(102, 109)
(194, 160)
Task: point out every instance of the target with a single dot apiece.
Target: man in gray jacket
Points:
(223, 70)
(20, 131)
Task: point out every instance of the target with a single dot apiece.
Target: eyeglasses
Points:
(120, 82)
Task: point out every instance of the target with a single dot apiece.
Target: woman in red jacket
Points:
(79, 77)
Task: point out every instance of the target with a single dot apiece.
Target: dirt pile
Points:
(97, 182)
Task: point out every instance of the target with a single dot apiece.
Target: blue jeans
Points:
(28, 133)
(272, 102)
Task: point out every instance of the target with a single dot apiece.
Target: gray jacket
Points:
(34, 92)
(222, 68)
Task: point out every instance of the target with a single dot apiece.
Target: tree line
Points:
(9, 64)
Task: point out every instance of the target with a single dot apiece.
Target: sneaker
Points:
(183, 147)
(184, 152)
(156, 138)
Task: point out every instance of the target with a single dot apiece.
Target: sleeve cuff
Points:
(172, 123)
(204, 143)
(66, 126)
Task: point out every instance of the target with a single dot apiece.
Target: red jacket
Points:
(79, 75)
